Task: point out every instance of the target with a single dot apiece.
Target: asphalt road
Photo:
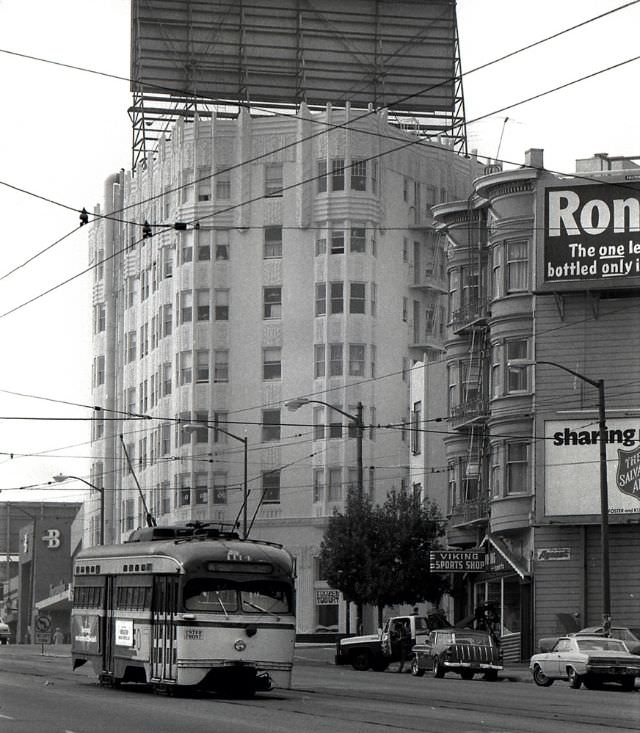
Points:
(41, 693)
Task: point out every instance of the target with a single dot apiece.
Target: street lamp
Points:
(63, 477)
(192, 428)
(355, 419)
(604, 489)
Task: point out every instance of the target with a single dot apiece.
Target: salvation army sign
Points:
(572, 467)
(591, 237)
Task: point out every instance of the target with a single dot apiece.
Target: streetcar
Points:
(188, 606)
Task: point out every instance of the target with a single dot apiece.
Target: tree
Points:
(380, 555)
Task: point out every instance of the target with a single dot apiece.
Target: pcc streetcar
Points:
(186, 606)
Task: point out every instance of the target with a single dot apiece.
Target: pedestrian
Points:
(58, 636)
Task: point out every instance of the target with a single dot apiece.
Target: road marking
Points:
(6, 717)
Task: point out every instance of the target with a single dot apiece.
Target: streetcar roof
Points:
(182, 555)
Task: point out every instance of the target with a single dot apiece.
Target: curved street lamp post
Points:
(355, 419)
(63, 477)
(604, 488)
(193, 427)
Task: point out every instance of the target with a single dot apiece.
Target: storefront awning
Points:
(501, 548)
(57, 602)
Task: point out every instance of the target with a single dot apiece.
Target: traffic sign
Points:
(43, 624)
(42, 638)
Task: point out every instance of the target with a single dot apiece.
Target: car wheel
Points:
(416, 670)
(575, 680)
(438, 669)
(466, 674)
(491, 675)
(591, 683)
(379, 665)
(540, 678)
(361, 661)
(628, 683)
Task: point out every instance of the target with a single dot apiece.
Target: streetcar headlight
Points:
(240, 645)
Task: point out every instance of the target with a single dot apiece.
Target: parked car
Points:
(629, 634)
(586, 659)
(464, 651)
(5, 633)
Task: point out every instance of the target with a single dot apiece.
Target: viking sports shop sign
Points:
(572, 463)
(457, 561)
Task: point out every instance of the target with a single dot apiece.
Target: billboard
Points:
(572, 467)
(288, 51)
(591, 237)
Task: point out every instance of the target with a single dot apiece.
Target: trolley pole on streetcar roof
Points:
(193, 427)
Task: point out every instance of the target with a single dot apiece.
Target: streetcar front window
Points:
(264, 597)
(214, 596)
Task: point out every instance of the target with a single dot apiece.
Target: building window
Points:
(359, 175)
(219, 488)
(334, 488)
(356, 360)
(337, 174)
(222, 244)
(318, 485)
(517, 468)
(453, 393)
(318, 423)
(318, 360)
(131, 346)
(204, 252)
(98, 370)
(270, 425)
(166, 379)
(358, 242)
(405, 309)
(202, 305)
(99, 318)
(495, 477)
(221, 307)
(321, 246)
(272, 302)
(185, 367)
(517, 377)
(186, 251)
(357, 298)
(271, 363)
(321, 168)
(496, 270)
(337, 297)
(167, 319)
(517, 266)
(203, 185)
(335, 360)
(186, 306)
(337, 243)
(273, 179)
(202, 365)
(452, 487)
(416, 426)
(165, 439)
(321, 299)
(221, 365)
(223, 183)
(272, 242)
(271, 487)
(201, 490)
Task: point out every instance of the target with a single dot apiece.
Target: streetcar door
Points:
(108, 625)
(163, 632)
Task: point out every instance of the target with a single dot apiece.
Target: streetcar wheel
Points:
(575, 680)
(379, 665)
(416, 670)
(466, 674)
(491, 675)
(438, 669)
(540, 678)
(361, 661)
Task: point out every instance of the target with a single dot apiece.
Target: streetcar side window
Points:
(133, 598)
(265, 597)
(87, 596)
(214, 596)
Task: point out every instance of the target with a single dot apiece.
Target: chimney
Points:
(534, 158)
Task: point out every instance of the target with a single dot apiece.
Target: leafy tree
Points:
(380, 555)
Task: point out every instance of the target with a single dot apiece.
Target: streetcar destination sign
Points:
(457, 561)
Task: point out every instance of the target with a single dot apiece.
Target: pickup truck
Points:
(464, 651)
(5, 633)
(392, 643)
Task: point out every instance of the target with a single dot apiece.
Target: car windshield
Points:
(468, 638)
(226, 596)
(601, 645)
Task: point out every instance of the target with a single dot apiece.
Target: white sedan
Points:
(588, 660)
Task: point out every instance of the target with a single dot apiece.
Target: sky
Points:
(63, 131)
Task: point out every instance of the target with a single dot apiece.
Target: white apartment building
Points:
(289, 257)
